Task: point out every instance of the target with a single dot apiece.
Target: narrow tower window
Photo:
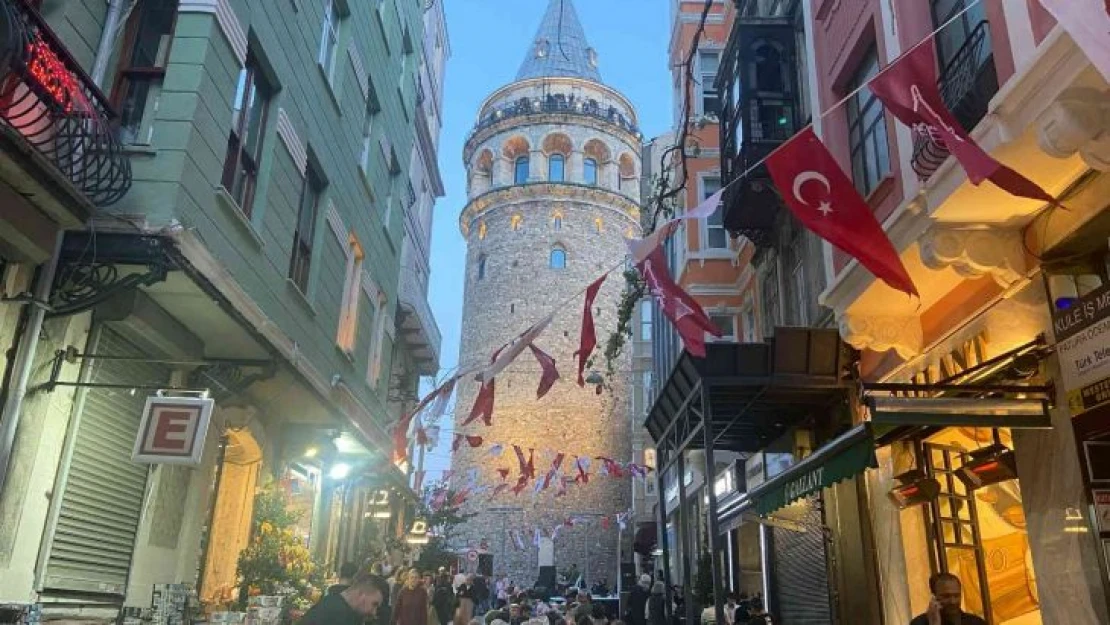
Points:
(520, 170)
(589, 171)
(557, 222)
(555, 168)
(558, 258)
(482, 267)
(515, 222)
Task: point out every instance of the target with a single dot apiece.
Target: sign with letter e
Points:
(172, 430)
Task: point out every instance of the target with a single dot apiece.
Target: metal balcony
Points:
(967, 84)
(557, 104)
(758, 86)
(48, 102)
(417, 325)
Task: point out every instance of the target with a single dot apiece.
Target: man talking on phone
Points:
(944, 605)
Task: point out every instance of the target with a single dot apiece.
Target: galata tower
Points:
(553, 166)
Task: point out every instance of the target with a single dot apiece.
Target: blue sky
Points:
(489, 39)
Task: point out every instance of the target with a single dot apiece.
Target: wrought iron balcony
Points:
(758, 86)
(967, 83)
(557, 104)
(49, 101)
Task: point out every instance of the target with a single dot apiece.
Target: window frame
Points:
(482, 267)
(868, 142)
(646, 320)
(304, 234)
(328, 55)
(730, 337)
(127, 73)
(560, 252)
(517, 162)
(239, 149)
(561, 160)
(590, 164)
(706, 83)
(347, 333)
(708, 228)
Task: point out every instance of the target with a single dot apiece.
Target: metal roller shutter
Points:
(800, 572)
(102, 496)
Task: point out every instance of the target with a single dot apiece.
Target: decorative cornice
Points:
(291, 141)
(974, 253)
(558, 119)
(558, 80)
(547, 191)
(902, 333)
(229, 23)
(1077, 121)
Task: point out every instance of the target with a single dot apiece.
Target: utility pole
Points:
(504, 512)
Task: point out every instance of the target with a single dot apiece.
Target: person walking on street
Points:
(351, 606)
(945, 604)
(346, 573)
(464, 593)
(443, 599)
(637, 601)
(412, 602)
(481, 593)
(657, 605)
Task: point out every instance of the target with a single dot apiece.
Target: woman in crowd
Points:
(412, 602)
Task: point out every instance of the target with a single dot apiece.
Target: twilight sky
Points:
(489, 39)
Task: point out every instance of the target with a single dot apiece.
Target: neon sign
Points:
(47, 70)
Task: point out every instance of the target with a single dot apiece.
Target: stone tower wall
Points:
(518, 288)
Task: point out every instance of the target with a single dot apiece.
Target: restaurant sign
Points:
(805, 484)
(1083, 344)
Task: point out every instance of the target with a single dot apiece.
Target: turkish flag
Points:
(550, 373)
(687, 315)
(823, 198)
(908, 89)
(588, 339)
(483, 405)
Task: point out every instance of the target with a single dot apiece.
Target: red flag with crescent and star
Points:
(822, 197)
(908, 89)
(687, 316)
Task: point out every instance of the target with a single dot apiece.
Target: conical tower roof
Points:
(560, 47)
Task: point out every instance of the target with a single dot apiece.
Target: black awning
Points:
(647, 536)
(756, 391)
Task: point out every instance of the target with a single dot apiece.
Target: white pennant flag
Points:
(509, 353)
(1088, 23)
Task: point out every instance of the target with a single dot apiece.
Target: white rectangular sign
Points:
(172, 430)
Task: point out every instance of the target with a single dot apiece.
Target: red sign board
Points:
(48, 70)
(172, 430)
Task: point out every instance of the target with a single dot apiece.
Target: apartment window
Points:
(558, 259)
(589, 171)
(146, 48)
(645, 387)
(377, 343)
(329, 39)
(482, 267)
(748, 321)
(301, 261)
(520, 170)
(726, 324)
(708, 98)
(645, 320)
(555, 168)
(348, 315)
(367, 131)
(244, 145)
(715, 235)
(952, 37)
(867, 129)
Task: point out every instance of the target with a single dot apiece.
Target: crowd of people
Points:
(408, 596)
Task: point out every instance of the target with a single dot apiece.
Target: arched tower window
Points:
(482, 267)
(558, 259)
(555, 168)
(557, 221)
(515, 221)
(482, 230)
(589, 171)
(598, 225)
(520, 170)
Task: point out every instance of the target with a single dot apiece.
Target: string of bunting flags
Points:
(814, 188)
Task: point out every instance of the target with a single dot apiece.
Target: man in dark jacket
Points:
(443, 599)
(346, 573)
(637, 601)
(481, 594)
(353, 606)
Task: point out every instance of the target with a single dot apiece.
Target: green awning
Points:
(846, 456)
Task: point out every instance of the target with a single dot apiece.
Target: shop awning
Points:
(844, 457)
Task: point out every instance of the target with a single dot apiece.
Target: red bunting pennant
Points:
(527, 469)
(499, 489)
(520, 484)
(908, 89)
(483, 405)
(554, 469)
(612, 467)
(474, 440)
(588, 339)
(550, 373)
(604, 522)
(456, 443)
(504, 473)
(582, 476)
(685, 313)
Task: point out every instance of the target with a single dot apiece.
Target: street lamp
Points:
(339, 471)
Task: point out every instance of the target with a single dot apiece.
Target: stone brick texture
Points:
(519, 287)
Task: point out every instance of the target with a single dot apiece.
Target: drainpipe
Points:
(107, 44)
(24, 358)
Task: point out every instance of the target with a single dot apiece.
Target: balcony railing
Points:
(967, 83)
(557, 104)
(49, 100)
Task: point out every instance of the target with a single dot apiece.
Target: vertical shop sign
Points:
(172, 430)
(1083, 344)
